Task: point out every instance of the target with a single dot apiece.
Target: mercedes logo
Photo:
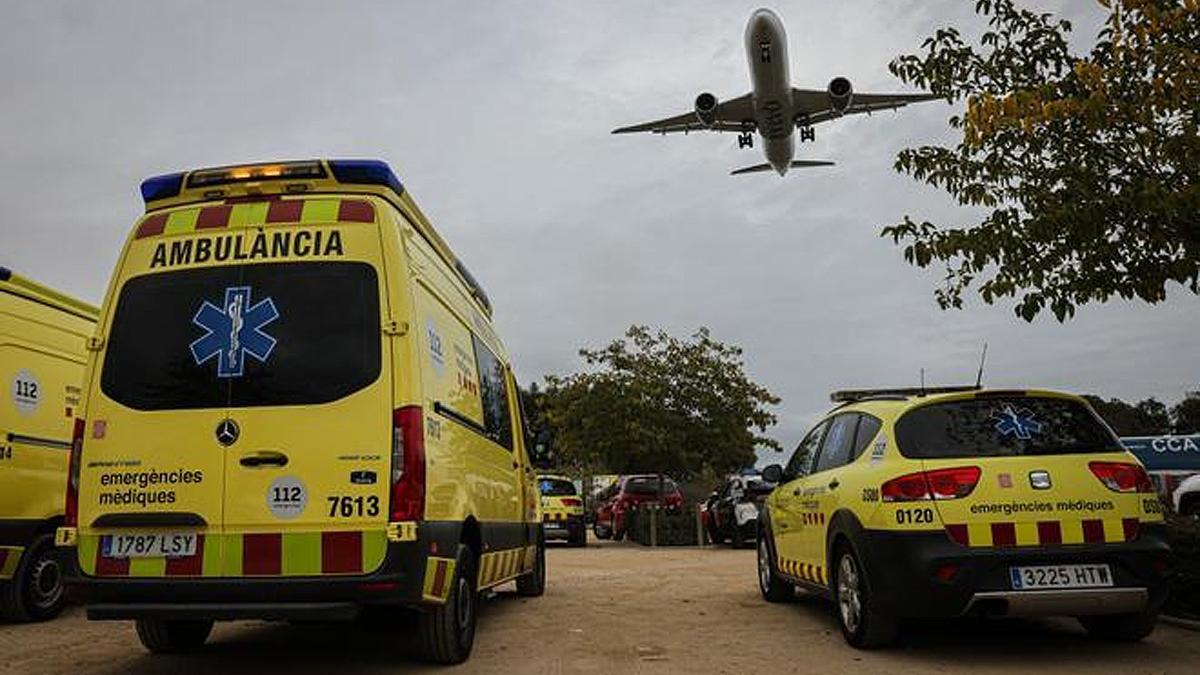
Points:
(227, 432)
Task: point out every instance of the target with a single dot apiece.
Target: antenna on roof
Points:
(979, 375)
(922, 381)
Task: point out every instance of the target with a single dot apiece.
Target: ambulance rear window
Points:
(1002, 427)
(242, 336)
(554, 487)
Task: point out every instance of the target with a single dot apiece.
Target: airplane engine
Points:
(706, 109)
(840, 93)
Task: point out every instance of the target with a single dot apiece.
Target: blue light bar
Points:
(161, 187)
(365, 172)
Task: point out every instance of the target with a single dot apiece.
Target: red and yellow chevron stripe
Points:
(814, 574)
(1045, 532)
(10, 557)
(268, 211)
(250, 555)
(814, 518)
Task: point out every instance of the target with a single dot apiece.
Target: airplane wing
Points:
(732, 115)
(815, 103)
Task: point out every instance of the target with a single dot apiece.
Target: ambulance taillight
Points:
(71, 508)
(408, 464)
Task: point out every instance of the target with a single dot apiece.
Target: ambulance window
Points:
(497, 418)
(802, 458)
(839, 441)
(307, 333)
(996, 426)
(556, 487)
(868, 428)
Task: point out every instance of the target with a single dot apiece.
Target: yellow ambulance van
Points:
(43, 336)
(297, 407)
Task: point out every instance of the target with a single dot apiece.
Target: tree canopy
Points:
(650, 402)
(1085, 166)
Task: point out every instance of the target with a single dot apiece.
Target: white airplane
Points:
(773, 107)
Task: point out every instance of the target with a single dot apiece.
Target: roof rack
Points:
(896, 393)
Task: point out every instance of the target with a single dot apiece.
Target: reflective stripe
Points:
(438, 574)
(243, 214)
(1044, 532)
(10, 557)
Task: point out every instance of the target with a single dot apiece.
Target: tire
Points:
(1120, 627)
(36, 591)
(601, 532)
(714, 535)
(864, 624)
(739, 539)
(446, 632)
(172, 637)
(773, 587)
(579, 539)
(533, 584)
(1190, 508)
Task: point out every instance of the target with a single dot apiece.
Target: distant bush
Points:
(1183, 533)
(675, 528)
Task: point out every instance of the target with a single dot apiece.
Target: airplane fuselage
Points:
(771, 87)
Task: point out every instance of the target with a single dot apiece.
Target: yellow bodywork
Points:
(43, 338)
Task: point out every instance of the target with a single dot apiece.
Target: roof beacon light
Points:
(161, 187)
(365, 172)
(246, 173)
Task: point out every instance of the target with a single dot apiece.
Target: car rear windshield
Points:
(649, 486)
(1002, 427)
(555, 487)
(759, 487)
(240, 336)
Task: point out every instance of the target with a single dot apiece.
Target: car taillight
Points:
(1122, 476)
(937, 484)
(571, 501)
(71, 508)
(408, 464)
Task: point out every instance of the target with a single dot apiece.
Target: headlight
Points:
(745, 512)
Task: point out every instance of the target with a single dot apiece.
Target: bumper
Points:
(400, 580)
(570, 528)
(904, 568)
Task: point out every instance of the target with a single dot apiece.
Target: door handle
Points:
(264, 458)
(833, 484)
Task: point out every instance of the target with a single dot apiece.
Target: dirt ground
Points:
(614, 608)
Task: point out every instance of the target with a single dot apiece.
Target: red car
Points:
(628, 492)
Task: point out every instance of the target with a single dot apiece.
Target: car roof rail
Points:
(896, 393)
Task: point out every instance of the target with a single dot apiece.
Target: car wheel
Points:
(579, 538)
(1191, 508)
(162, 636)
(534, 584)
(447, 631)
(36, 591)
(864, 624)
(601, 532)
(714, 535)
(772, 586)
(1120, 627)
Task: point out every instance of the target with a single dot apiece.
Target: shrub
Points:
(675, 528)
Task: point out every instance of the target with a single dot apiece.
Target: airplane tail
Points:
(796, 163)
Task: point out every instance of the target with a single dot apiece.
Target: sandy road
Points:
(614, 608)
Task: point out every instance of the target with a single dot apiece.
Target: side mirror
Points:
(773, 474)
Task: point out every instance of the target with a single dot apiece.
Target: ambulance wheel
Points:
(864, 624)
(35, 592)
(162, 636)
(447, 631)
(1120, 627)
(773, 587)
(579, 539)
(534, 584)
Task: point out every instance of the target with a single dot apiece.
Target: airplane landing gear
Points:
(746, 139)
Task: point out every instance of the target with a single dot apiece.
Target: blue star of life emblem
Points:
(1019, 423)
(234, 330)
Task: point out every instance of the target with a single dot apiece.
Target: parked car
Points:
(628, 493)
(1186, 498)
(732, 510)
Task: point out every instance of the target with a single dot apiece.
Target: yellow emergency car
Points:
(297, 407)
(43, 335)
(562, 510)
(960, 501)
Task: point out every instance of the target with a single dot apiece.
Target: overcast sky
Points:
(496, 116)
